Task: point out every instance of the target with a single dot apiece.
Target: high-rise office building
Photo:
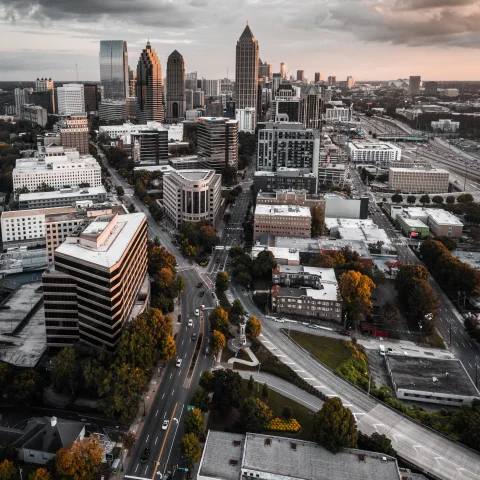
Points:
(176, 101)
(149, 87)
(91, 93)
(114, 69)
(71, 99)
(189, 99)
(74, 133)
(264, 69)
(431, 88)
(350, 82)
(211, 88)
(217, 143)
(191, 81)
(43, 99)
(414, 85)
(34, 114)
(318, 77)
(246, 70)
(21, 98)
(198, 98)
(46, 85)
(283, 70)
(300, 75)
(150, 146)
(311, 107)
(132, 82)
(332, 80)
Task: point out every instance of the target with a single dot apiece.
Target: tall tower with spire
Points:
(246, 71)
(176, 99)
(149, 87)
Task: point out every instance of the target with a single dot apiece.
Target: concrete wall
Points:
(34, 456)
(345, 208)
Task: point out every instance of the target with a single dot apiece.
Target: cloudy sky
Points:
(369, 39)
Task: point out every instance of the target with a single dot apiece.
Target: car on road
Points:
(202, 307)
(207, 351)
(217, 260)
(200, 285)
(344, 332)
(165, 424)
(168, 476)
(202, 293)
(197, 312)
(178, 363)
(194, 337)
(145, 455)
(190, 323)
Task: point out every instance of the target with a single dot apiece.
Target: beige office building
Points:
(412, 180)
(282, 220)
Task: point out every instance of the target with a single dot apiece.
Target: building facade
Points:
(74, 133)
(311, 106)
(176, 99)
(412, 180)
(284, 179)
(114, 69)
(34, 114)
(150, 146)
(217, 143)
(65, 197)
(46, 85)
(318, 77)
(246, 70)
(71, 99)
(291, 197)
(91, 288)
(112, 110)
(445, 125)
(431, 88)
(414, 85)
(246, 119)
(373, 152)
(149, 87)
(91, 94)
(282, 220)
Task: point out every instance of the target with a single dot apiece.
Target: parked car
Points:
(344, 332)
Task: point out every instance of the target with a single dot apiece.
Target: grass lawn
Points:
(329, 351)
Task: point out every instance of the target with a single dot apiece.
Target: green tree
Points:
(449, 242)
(424, 199)
(4, 373)
(227, 390)
(81, 460)
(390, 314)
(122, 391)
(120, 190)
(376, 443)
(437, 199)
(219, 320)
(206, 379)
(64, 371)
(194, 422)
(190, 448)
(356, 291)
(318, 220)
(405, 275)
(254, 327)
(397, 198)
(26, 388)
(254, 415)
(236, 251)
(7, 470)
(218, 341)
(93, 373)
(222, 282)
(420, 302)
(236, 312)
(411, 199)
(450, 200)
(200, 399)
(251, 384)
(264, 264)
(334, 426)
(287, 412)
(465, 198)
(265, 391)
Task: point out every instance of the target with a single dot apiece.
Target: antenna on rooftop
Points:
(76, 69)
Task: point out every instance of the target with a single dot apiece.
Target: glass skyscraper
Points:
(114, 69)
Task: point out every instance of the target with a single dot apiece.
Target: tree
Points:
(218, 341)
(237, 308)
(437, 199)
(450, 200)
(93, 373)
(26, 388)
(376, 443)
(356, 291)
(254, 327)
(222, 282)
(287, 412)
(318, 220)
(406, 274)
(206, 379)
(251, 384)
(420, 302)
(208, 237)
(167, 348)
(81, 460)
(131, 208)
(227, 390)
(265, 391)
(120, 190)
(128, 441)
(264, 264)
(465, 198)
(449, 242)
(236, 251)
(219, 320)
(411, 199)
(397, 198)
(254, 415)
(194, 422)
(391, 314)
(122, 390)
(7, 470)
(40, 474)
(64, 371)
(334, 426)
(424, 199)
(200, 399)
(190, 448)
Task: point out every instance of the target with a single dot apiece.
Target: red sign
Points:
(414, 234)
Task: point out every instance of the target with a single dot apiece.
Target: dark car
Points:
(167, 476)
(194, 337)
(200, 285)
(145, 456)
(202, 293)
(217, 260)
(344, 332)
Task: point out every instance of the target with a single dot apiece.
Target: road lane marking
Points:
(185, 356)
(182, 341)
(170, 376)
(156, 413)
(163, 395)
(156, 440)
(137, 478)
(309, 378)
(136, 467)
(165, 414)
(173, 391)
(164, 441)
(148, 436)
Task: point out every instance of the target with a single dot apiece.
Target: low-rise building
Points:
(189, 162)
(74, 133)
(305, 276)
(321, 304)
(412, 180)
(192, 196)
(65, 197)
(284, 179)
(436, 380)
(445, 125)
(291, 197)
(124, 132)
(364, 151)
(332, 174)
(443, 223)
(412, 227)
(34, 114)
(283, 220)
(282, 255)
(337, 206)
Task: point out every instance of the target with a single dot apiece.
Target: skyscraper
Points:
(414, 85)
(176, 100)
(318, 77)
(246, 70)
(46, 85)
(114, 69)
(191, 81)
(132, 82)
(283, 70)
(264, 69)
(71, 99)
(149, 87)
(300, 75)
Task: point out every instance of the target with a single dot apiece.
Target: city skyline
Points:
(336, 38)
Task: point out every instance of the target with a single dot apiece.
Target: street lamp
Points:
(476, 371)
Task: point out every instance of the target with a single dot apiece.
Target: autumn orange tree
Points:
(40, 474)
(356, 291)
(218, 341)
(7, 470)
(254, 327)
(81, 460)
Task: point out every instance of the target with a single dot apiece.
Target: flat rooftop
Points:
(155, 168)
(283, 210)
(37, 211)
(414, 373)
(471, 258)
(442, 217)
(195, 174)
(366, 145)
(328, 292)
(412, 222)
(331, 222)
(419, 170)
(317, 244)
(64, 193)
(289, 254)
(326, 274)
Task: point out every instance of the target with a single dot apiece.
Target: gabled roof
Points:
(247, 33)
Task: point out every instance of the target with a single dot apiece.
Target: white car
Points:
(197, 312)
(178, 362)
(165, 424)
(190, 323)
(202, 307)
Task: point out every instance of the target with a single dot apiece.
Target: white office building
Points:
(373, 152)
(246, 119)
(338, 114)
(211, 88)
(445, 125)
(192, 196)
(413, 180)
(71, 99)
(56, 171)
(124, 132)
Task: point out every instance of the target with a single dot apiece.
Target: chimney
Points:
(53, 421)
